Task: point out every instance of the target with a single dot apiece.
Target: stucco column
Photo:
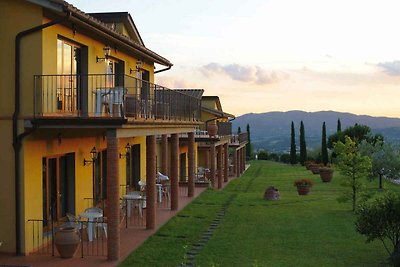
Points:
(151, 182)
(244, 158)
(207, 158)
(174, 171)
(219, 166)
(235, 161)
(226, 163)
(113, 209)
(212, 164)
(238, 162)
(191, 165)
(164, 154)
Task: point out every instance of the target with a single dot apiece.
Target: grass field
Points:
(312, 230)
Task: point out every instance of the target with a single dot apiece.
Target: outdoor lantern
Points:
(93, 156)
(127, 150)
(107, 52)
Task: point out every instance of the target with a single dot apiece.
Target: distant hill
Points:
(271, 130)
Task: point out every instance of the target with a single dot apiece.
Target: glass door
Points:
(68, 66)
(58, 187)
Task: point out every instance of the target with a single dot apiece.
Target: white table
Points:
(134, 198)
(159, 191)
(92, 219)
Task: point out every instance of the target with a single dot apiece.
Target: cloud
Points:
(391, 68)
(254, 74)
(171, 82)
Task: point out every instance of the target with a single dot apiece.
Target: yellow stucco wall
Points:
(46, 144)
(15, 16)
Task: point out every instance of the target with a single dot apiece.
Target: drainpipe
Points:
(158, 71)
(17, 139)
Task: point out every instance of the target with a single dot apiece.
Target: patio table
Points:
(92, 217)
(134, 198)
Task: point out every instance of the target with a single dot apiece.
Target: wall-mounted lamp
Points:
(127, 151)
(139, 64)
(107, 52)
(93, 156)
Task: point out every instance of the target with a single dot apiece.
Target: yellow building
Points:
(220, 152)
(81, 119)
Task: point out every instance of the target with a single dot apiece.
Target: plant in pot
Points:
(303, 186)
(326, 174)
(314, 168)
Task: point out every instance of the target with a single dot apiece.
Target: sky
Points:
(275, 55)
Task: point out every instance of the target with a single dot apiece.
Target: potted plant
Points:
(303, 186)
(314, 168)
(326, 174)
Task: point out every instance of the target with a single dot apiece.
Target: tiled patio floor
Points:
(131, 238)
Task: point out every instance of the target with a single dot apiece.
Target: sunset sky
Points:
(275, 55)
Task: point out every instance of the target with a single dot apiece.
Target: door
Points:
(58, 186)
(135, 167)
(68, 66)
(182, 167)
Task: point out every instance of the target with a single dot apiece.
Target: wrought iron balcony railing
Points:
(114, 96)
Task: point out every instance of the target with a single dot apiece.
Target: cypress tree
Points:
(324, 148)
(339, 126)
(303, 146)
(248, 146)
(239, 130)
(293, 159)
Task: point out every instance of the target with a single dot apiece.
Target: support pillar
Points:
(244, 159)
(164, 154)
(212, 165)
(226, 163)
(219, 166)
(151, 196)
(238, 162)
(191, 165)
(113, 209)
(207, 159)
(174, 171)
(235, 163)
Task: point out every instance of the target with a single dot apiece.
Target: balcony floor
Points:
(131, 238)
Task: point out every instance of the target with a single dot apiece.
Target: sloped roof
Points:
(95, 24)
(121, 17)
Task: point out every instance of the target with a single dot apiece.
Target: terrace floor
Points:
(131, 238)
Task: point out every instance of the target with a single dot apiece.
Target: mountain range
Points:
(271, 130)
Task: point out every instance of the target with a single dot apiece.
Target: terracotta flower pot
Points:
(326, 174)
(303, 189)
(67, 240)
(314, 168)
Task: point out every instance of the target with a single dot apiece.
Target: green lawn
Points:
(313, 230)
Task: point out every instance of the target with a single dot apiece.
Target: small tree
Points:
(248, 146)
(324, 149)
(239, 130)
(293, 158)
(303, 147)
(379, 219)
(339, 126)
(354, 167)
(385, 159)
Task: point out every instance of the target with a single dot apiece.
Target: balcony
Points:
(110, 96)
(237, 140)
(224, 128)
